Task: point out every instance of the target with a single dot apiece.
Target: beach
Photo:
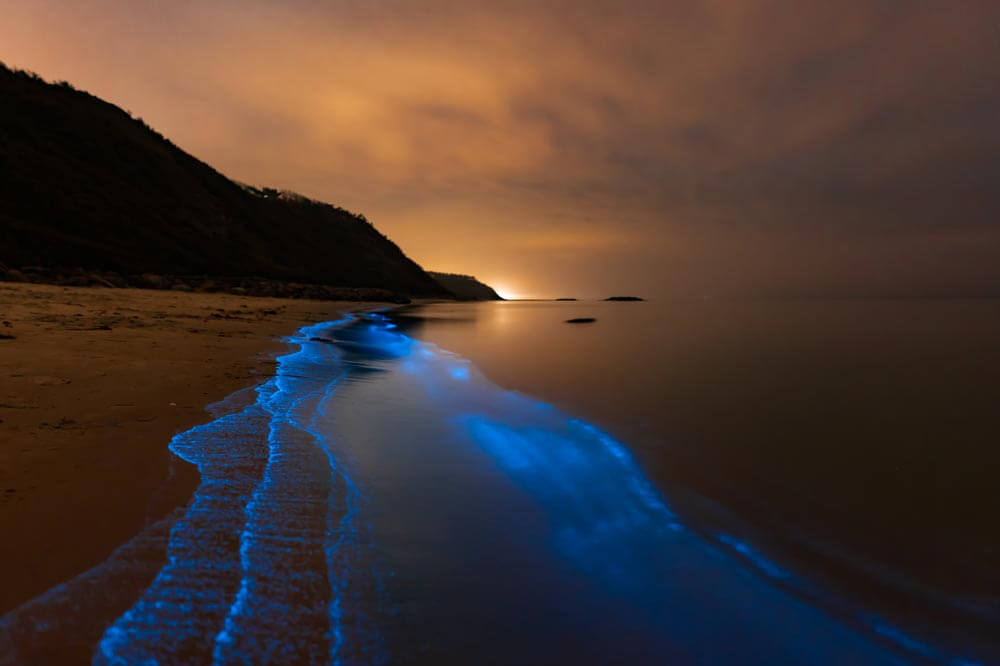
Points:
(377, 498)
(95, 382)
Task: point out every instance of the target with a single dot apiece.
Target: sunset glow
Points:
(583, 147)
(505, 293)
(433, 332)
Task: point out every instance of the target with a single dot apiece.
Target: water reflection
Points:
(381, 500)
(560, 517)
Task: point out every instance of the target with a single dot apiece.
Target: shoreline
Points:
(847, 583)
(95, 383)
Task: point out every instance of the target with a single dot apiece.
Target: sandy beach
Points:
(94, 384)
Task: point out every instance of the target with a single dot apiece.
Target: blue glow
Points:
(765, 565)
(261, 565)
(612, 524)
(274, 558)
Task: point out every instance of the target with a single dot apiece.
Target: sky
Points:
(697, 148)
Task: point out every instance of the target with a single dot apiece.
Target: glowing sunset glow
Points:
(505, 293)
(599, 148)
(734, 405)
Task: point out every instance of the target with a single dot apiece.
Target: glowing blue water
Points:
(381, 494)
(521, 535)
(253, 567)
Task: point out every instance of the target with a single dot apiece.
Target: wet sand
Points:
(93, 384)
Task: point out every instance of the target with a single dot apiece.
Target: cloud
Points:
(743, 135)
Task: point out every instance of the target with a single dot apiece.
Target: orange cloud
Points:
(474, 133)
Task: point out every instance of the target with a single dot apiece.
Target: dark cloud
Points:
(707, 147)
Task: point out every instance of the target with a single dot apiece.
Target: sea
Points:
(674, 482)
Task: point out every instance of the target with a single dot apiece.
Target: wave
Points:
(281, 555)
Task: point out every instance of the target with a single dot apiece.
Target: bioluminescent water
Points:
(381, 501)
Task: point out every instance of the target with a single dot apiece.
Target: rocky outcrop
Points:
(466, 287)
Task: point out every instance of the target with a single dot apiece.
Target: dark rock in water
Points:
(624, 298)
(4, 336)
(581, 320)
(565, 299)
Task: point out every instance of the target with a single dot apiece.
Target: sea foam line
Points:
(283, 608)
(252, 572)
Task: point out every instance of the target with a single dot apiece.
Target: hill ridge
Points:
(85, 186)
(465, 287)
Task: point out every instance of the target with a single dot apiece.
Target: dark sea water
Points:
(675, 483)
(855, 442)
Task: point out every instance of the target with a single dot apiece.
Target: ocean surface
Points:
(674, 483)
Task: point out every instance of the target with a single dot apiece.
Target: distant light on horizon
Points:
(581, 152)
(506, 293)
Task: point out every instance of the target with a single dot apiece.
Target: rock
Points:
(152, 281)
(565, 299)
(180, 286)
(14, 275)
(116, 280)
(4, 336)
(94, 279)
(624, 298)
(266, 290)
(581, 320)
(465, 287)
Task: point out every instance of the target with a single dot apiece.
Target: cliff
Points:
(86, 187)
(466, 287)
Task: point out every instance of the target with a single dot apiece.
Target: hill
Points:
(86, 187)
(466, 287)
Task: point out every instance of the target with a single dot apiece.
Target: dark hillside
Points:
(466, 287)
(84, 185)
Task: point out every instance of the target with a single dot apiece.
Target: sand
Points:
(93, 384)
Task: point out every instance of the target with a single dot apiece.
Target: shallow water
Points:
(853, 441)
(382, 501)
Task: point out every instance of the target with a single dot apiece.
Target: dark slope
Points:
(84, 185)
(466, 287)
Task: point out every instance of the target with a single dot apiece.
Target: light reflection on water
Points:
(382, 501)
(513, 530)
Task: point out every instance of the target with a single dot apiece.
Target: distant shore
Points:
(93, 384)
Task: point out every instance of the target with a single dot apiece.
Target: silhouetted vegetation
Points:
(86, 187)
(466, 287)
